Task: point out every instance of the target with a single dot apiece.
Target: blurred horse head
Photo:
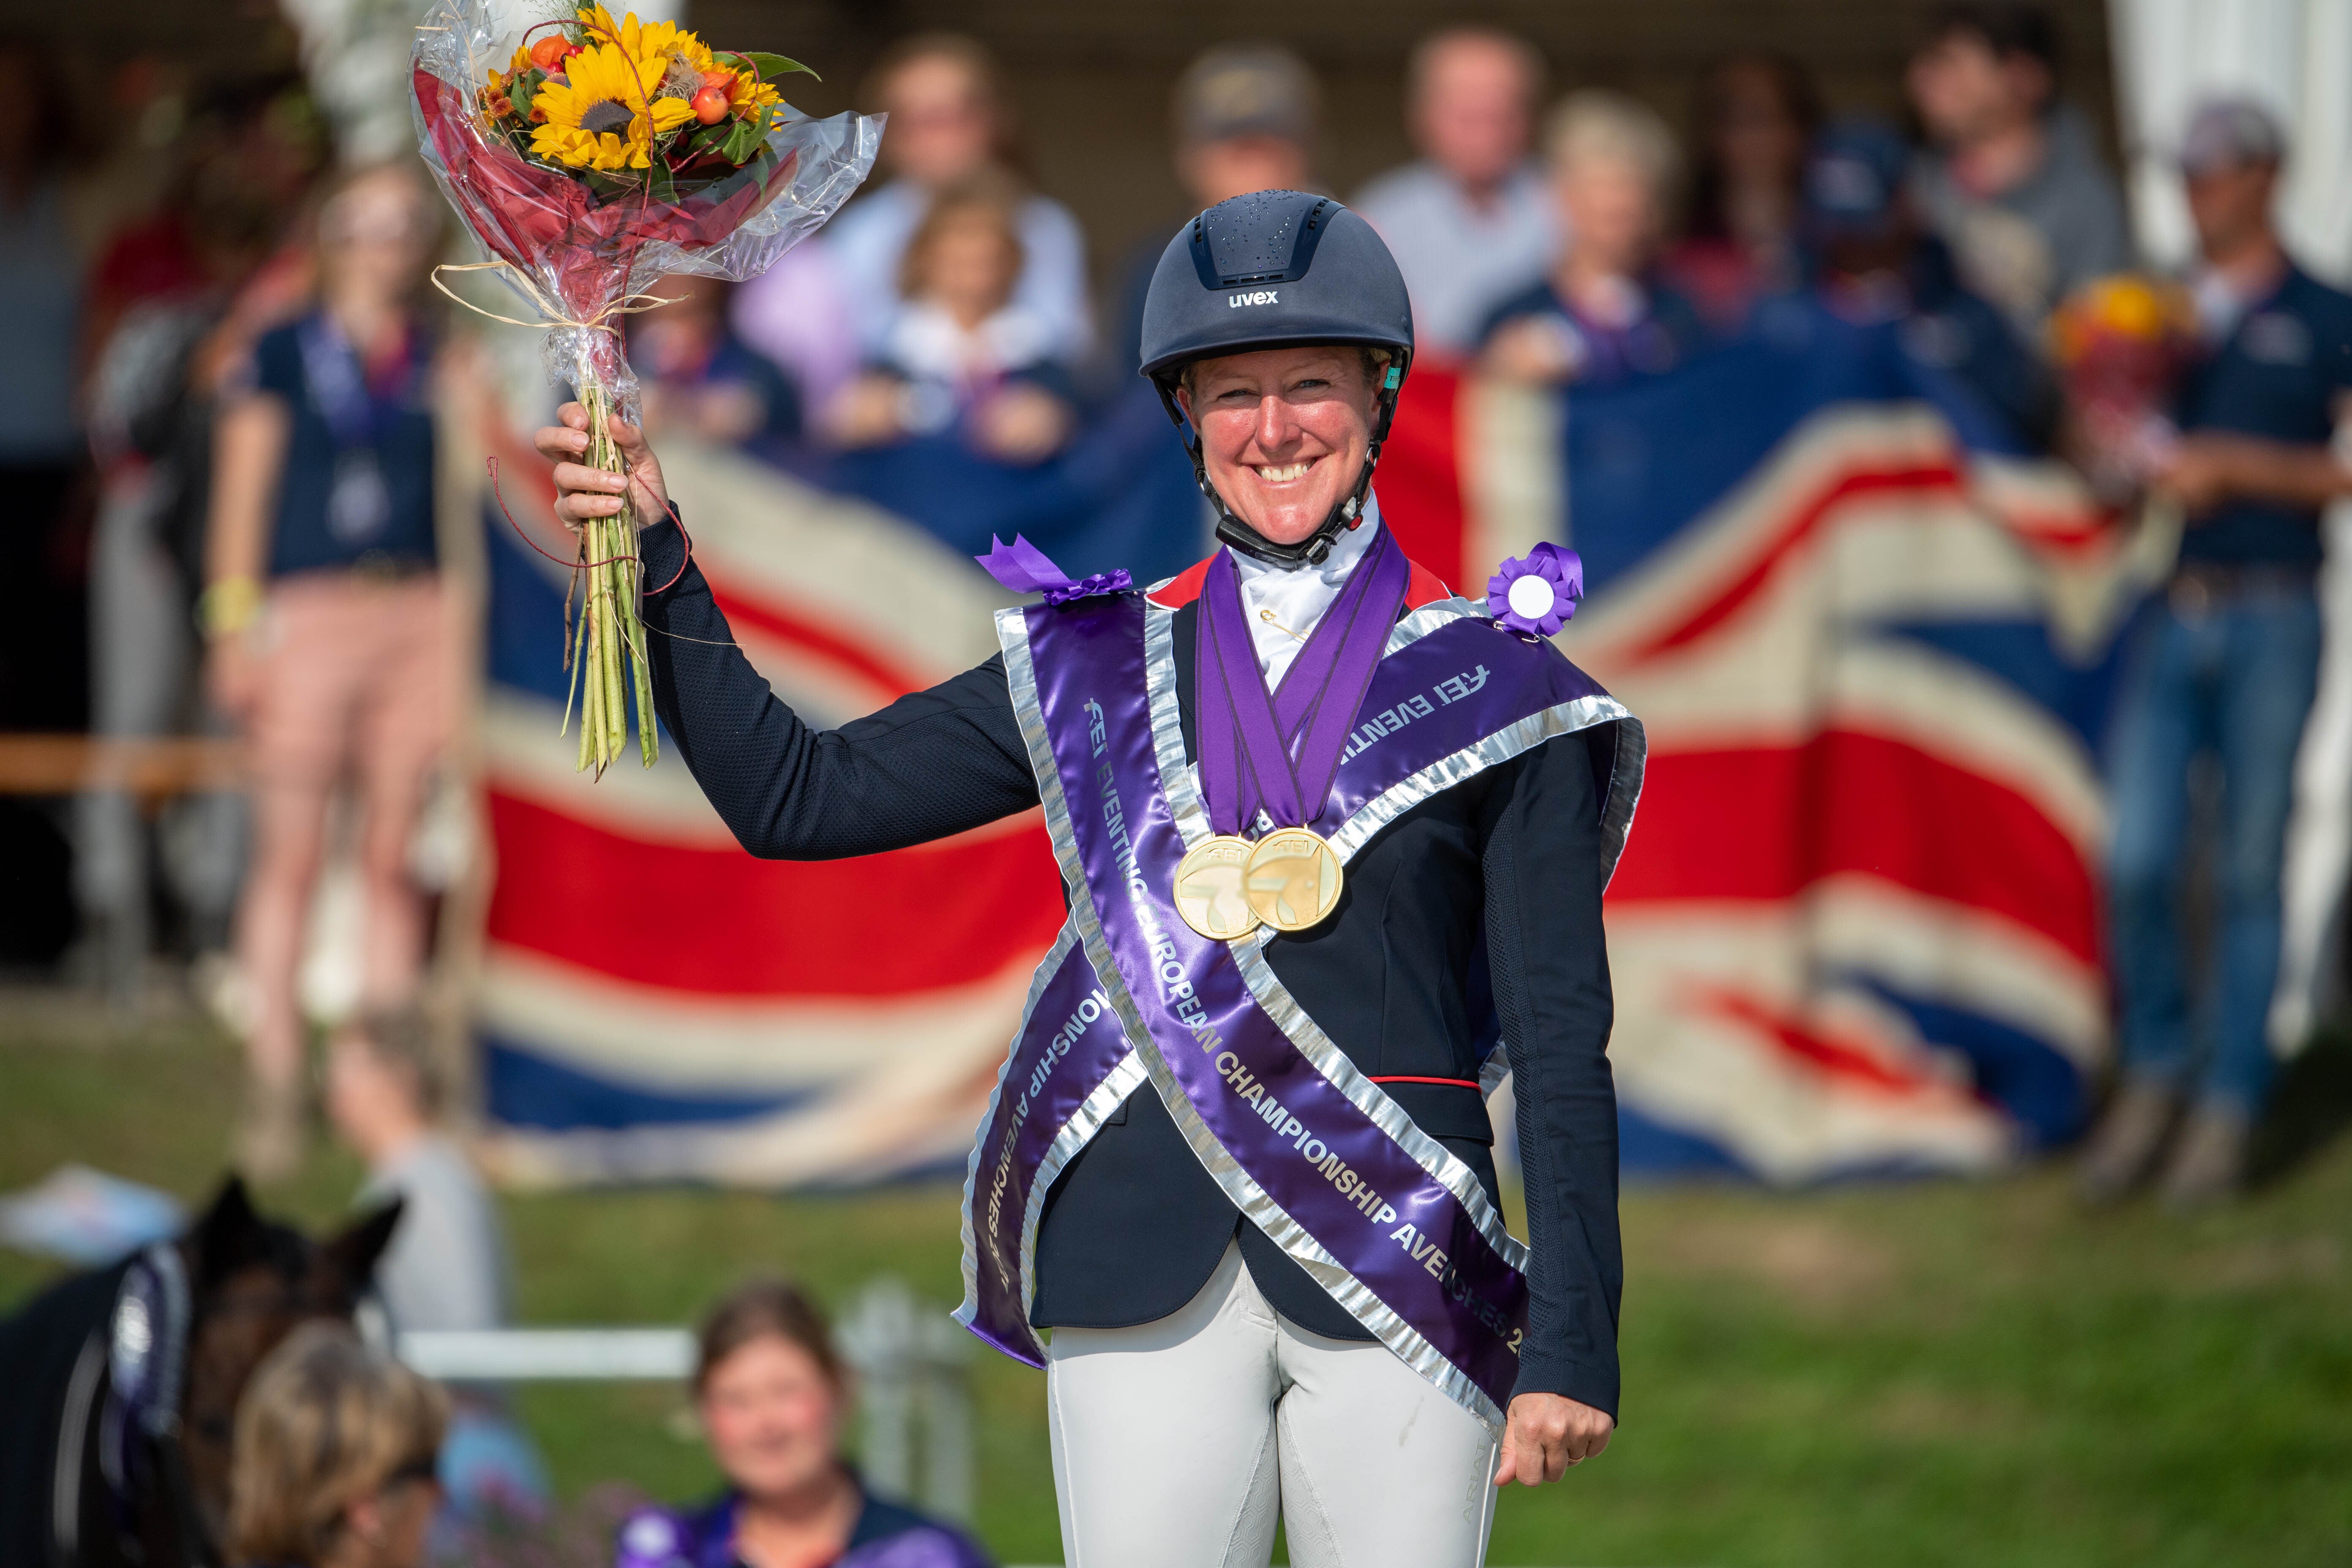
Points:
(118, 1453)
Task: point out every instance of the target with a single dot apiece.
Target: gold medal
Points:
(1292, 879)
(1208, 888)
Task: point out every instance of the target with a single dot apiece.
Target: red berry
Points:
(552, 51)
(711, 104)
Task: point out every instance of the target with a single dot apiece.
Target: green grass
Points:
(1929, 1374)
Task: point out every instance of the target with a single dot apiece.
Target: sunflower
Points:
(597, 113)
(643, 40)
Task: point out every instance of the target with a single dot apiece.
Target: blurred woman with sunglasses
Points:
(333, 1457)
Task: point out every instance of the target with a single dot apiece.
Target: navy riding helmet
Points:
(1274, 269)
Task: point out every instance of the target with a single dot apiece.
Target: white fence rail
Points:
(913, 1366)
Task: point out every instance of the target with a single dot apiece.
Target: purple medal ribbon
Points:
(1290, 741)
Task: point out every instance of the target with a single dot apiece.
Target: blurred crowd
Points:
(218, 396)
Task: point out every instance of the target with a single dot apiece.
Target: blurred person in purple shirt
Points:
(1602, 314)
(2225, 666)
(1469, 223)
(771, 1393)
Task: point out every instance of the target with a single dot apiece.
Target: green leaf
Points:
(771, 67)
(526, 87)
(744, 139)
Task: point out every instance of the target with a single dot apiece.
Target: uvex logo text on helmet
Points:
(1262, 297)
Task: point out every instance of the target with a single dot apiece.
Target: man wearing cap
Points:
(1470, 222)
(2227, 664)
(1316, 818)
(1244, 115)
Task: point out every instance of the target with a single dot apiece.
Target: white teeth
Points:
(1275, 476)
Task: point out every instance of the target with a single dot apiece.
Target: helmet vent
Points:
(1267, 236)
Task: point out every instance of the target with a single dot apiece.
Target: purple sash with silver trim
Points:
(1393, 1226)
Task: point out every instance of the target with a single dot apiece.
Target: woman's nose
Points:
(1274, 423)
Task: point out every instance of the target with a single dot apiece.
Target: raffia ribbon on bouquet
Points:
(551, 314)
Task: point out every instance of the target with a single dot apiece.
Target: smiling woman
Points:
(1244, 1175)
(1284, 432)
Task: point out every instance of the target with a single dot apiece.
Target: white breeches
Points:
(1177, 1443)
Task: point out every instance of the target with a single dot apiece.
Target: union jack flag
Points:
(1856, 928)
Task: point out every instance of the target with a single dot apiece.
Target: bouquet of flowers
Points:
(2120, 343)
(589, 157)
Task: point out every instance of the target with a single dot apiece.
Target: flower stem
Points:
(612, 635)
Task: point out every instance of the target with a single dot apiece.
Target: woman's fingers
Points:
(557, 442)
(572, 476)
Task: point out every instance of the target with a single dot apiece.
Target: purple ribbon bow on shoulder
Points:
(1025, 569)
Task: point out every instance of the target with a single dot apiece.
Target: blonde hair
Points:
(1600, 124)
(325, 1422)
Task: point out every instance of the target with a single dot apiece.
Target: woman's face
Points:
(374, 237)
(772, 1416)
(1613, 217)
(942, 128)
(1284, 433)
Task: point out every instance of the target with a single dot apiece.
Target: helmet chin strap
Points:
(1316, 548)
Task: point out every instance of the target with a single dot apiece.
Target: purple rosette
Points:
(1536, 593)
(1025, 569)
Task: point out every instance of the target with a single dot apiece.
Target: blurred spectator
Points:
(331, 1458)
(2227, 664)
(326, 620)
(964, 350)
(40, 442)
(41, 449)
(772, 1393)
(1470, 223)
(1756, 116)
(1873, 265)
(2014, 186)
(447, 1265)
(700, 379)
(1244, 120)
(1602, 314)
(177, 299)
(949, 125)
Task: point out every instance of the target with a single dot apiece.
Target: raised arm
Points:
(931, 764)
(1541, 862)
